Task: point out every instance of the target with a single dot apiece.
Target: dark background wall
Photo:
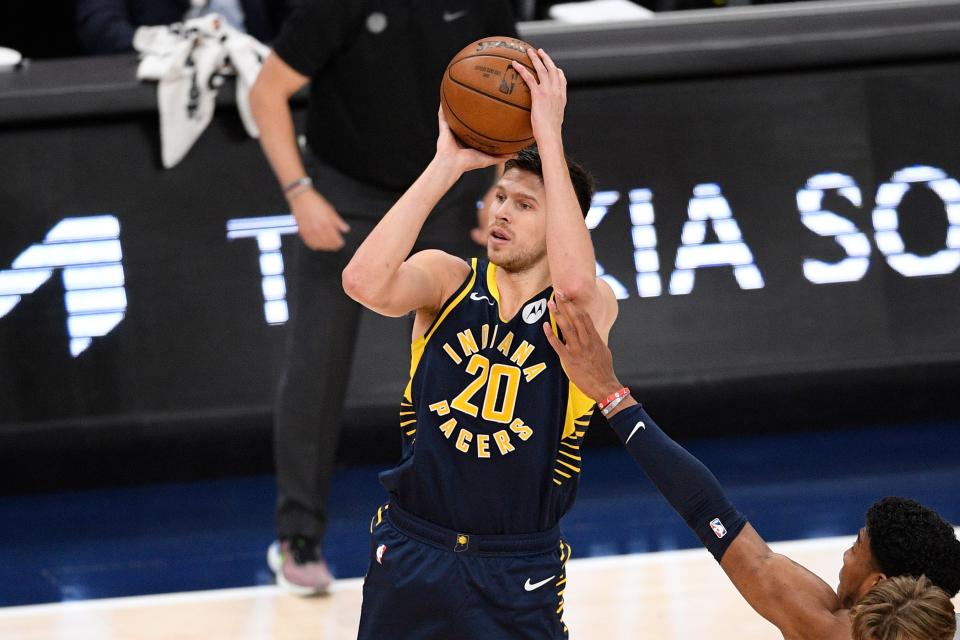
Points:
(182, 386)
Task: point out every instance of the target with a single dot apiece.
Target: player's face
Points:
(516, 231)
(859, 572)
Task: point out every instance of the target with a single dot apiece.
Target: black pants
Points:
(427, 583)
(322, 332)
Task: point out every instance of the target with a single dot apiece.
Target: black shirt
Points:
(375, 69)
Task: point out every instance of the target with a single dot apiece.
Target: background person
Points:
(107, 26)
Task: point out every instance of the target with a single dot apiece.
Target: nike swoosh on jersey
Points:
(479, 298)
(636, 427)
(533, 587)
(450, 16)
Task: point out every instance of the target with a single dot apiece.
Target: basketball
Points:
(485, 101)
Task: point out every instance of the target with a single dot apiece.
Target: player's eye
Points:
(500, 197)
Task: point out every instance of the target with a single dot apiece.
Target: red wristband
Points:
(622, 393)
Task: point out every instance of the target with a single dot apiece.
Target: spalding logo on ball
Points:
(485, 101)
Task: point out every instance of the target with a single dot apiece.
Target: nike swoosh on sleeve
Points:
(636, 427)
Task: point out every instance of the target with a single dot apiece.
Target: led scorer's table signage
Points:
(88, 249)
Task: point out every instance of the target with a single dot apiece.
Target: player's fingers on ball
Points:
(552, 69)
(537, 64)
(528, 77)
(547, 60)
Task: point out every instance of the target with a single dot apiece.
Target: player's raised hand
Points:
(463, 158)
(548, 94)
(585, 358)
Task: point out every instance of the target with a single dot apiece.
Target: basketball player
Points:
(469, 546)
(900, 537)
(904, 608)
(370, 64)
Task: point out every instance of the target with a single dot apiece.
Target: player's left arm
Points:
(569, 248)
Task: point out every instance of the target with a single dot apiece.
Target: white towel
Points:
(189, 60)
(599, 11)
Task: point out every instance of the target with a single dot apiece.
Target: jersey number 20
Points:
(493, 377)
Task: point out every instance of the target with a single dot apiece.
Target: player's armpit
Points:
(423, 281)
(795, 600)
(601, 306)
(604, 309)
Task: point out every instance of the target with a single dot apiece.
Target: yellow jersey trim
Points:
(494, 289)
(453, 302)
(579, 406)
(418, 345)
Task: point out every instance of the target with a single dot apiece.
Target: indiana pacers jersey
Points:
(491, 425)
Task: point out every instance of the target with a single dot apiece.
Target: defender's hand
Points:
(548, 94)
(319, 224)
(584, 356)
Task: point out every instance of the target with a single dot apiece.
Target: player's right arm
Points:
(799, 603)
(380, 276)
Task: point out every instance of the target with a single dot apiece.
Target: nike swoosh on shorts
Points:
(533, 587)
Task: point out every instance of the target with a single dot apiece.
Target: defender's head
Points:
(517, 230)
(901, 538)
(904, 608)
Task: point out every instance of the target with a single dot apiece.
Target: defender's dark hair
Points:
(528, 159)
(908, 539)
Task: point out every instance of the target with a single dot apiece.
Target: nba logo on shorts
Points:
(382, 549)
(718, 527)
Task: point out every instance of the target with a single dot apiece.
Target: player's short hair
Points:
(528, 159)
(904, 608)
(908, 539)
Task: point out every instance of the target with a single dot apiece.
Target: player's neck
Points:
(516, 287)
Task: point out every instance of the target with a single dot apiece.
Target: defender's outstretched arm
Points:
(799, 603)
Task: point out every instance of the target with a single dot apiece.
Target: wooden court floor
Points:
(677, 595)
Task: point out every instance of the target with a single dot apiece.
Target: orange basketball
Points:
(485, 101)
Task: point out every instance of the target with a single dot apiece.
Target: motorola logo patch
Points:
(534, 311)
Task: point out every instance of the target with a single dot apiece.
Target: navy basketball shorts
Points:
(429, 583)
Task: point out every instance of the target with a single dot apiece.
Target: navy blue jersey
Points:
(491, 424)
